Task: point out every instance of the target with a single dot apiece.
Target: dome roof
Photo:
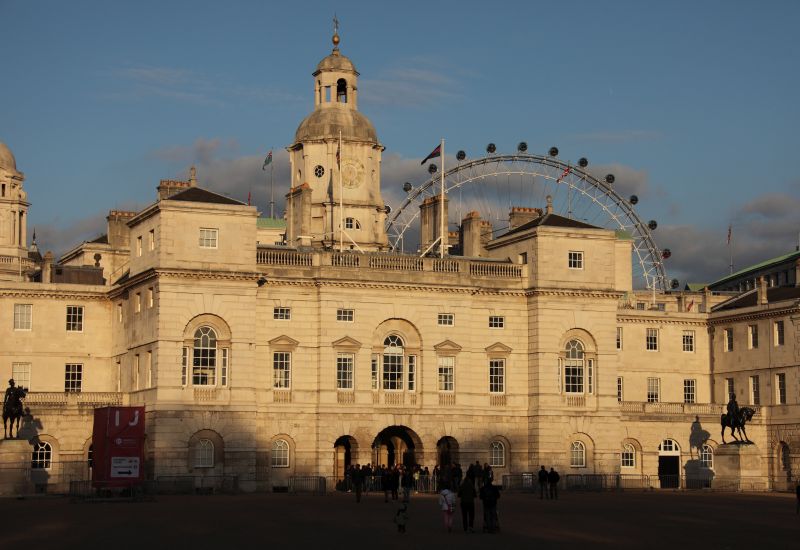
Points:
(326, 123)
(336, 62)
(7, 159)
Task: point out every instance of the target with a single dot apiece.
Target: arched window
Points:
(204, 454)
(669, 447)
(577, 455)
(42, 456)
(497, 454)
(393, 363)
(706, 457)
(341, 90)
(573, 367)
(280, 454)
(628, 458)
(204, 357)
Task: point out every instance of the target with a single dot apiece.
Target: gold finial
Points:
(335, 38)
(193, 176)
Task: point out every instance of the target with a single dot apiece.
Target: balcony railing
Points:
(64, 399)
(643, 407)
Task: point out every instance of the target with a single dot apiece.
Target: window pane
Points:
(497, 375)
(73, 378)
(344, 371)
(282, 368)
(446, 373)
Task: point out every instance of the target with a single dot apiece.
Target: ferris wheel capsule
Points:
(674, 283)
(652, 224)
(553, 152)
(407, 186)
(583, 162)
(610, 179)
(634, 199)
(666, 253)
(461, 155)
(522, 147)
(432, 168)
(491, 148)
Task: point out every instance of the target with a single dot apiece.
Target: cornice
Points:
(662, 321)
(754, 315)
(52, 294)
(394, 286)
(579, 293)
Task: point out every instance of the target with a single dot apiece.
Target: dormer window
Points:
(351, 223)
(341, 91)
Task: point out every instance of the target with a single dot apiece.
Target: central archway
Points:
(344, 449)
(447, 451)
(396, 445)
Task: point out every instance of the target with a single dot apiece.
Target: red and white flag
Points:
(564, 175)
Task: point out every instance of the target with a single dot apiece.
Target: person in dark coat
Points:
(543, 484)
(552, 480)
(467, 494)
(489, 494)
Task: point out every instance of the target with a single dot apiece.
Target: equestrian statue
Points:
(735, 419)
(12, 408)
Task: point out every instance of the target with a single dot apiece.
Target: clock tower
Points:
(335, 197)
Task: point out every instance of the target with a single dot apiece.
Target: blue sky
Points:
(693, 104)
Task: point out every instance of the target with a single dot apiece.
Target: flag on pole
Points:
(248, 198)
(564, 175)
(689, 307)
(268, 160)
(338, 156)
(729, 234)
(435, 153)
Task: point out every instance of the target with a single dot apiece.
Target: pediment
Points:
(497, 347)
(346, 343)
(284, 341)
(447, 346)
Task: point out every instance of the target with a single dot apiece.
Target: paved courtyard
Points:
(599, 520)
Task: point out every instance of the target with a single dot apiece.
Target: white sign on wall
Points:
(124, 466)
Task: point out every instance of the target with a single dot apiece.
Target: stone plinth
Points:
(738, 467)
(15, 461)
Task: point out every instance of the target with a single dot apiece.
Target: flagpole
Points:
(271, 191)
(730, 247)
(341, 195)
(442, 225)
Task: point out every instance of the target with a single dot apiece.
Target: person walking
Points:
(552, 480)
(467, 494)
(447, 502)
(357, 477)
(401, 518)
(490, 494)
(543, 484)
(407, 482)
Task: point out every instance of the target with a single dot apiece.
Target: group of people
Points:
(548, 483)
(390, 480)
(478, 484)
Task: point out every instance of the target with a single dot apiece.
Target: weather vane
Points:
(335, 24)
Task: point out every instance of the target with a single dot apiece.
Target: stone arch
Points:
(638, 456)
(582, 335)
(397, 445)
(218, 451)
(281, 471)
(412, 339)
(345, 453)
(216, 322)
(447, 451)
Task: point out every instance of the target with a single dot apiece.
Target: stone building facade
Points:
(263, 361)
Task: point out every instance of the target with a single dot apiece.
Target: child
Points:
(447, 502)
(401, 518)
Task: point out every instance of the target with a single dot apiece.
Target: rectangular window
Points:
(119, 312)
(780, 388)
(344, 371)
(653, 390)
(497, 321)
(619, 337)
(497, 375)
(73, 377)
(223, 373)
(150, 297)
(753, 333)
(137, 304)
(661, 306)
(778, 333)
(282, 313)
(446, 319)
(151, 240)
(446, 373)
(136, 372)
(620, 394)
(628, 457)
(412, 373)
(345, 315)
(640, 306)
(755, 390)
(75, 318)
(688, 340)
(208, 237)
(184, 366)
(204, 364)
(573, 375)
(21, 373)
(730, 389)
(139, 246)
(652, 339)
(590, 375)
(728, 339)
(689, 391)
(149, 369)
(282, 369)
(575, 259)
(23, 315)
(392, 371)
(373, 373)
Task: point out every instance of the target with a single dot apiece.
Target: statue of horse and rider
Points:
(12, 408)
(735, 419)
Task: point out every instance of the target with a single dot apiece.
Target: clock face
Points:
(352, 173)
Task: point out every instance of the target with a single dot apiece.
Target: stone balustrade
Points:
(643, 407)
(67, 399)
